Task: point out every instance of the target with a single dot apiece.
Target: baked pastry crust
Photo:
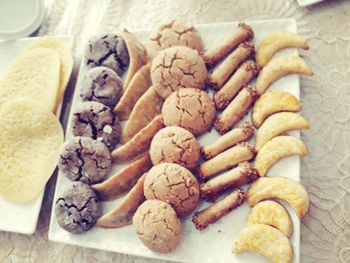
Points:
(291, 191)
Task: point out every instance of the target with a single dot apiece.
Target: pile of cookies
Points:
(31, 91)
(165, 106)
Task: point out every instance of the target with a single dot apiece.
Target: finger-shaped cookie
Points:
(145, 110)
(276, 149)
(139, 144)
(138, 85)
(137, 53)
(217, 210)
(122, 214)
(272, 102)
(227, 159)
(271, 213)
(242, 133)
(279, 67)
(265, 240)
(239, 79)
(242, 33)
(276, 41)
(277, 124)
(236, 110)
(244, 173)
(292, 192)
(230, 64)
(123, 180)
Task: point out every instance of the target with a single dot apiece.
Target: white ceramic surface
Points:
(214, 243)
(308, 2)
(21, 218)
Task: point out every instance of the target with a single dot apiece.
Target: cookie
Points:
(177, 67)
(189, 108)
(175, 145)
(97, 121)
(77, 208)
(84, 159)
(157, 226)
(109, 51)
(103, 85)
(175, 33)
(173, 184)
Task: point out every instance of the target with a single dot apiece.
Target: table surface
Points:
(325, 231)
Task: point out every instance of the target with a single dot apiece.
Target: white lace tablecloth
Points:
(325, 232)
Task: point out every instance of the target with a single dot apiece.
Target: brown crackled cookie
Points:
(97, 121)
(109, 51)
(177, 67)
(84, 159)
(103, 85)
(173, 184)
(189, 108)
(175, 145)
(175, 33)
(157, 226)
(77, 208)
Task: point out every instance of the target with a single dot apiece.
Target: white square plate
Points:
(214, 243)
(308, 2)
(20, 218)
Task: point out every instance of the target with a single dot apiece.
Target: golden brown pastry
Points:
(276, 149)
(236, 110)
(139, 144)
(222, 72)
(244, 173)
(191, 109)
(271, 213)
(279, 67)
(138, 85)
(123, 180)
(272, 102)
(242, 33)
(291, 191)
(277, 124)
(242, 133)
(145, 110)
(137, 53)
(227, 159)
(122, 214)
(218, 209)
(175, 33)
(245, 73)
(177, 67)
(265, 240)
(276, 41)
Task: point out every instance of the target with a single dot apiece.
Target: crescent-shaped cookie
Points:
(271, 213)
(277, 124)
(272, 102)
(279, 67)
(137, 53)
(276, 149)
(276, 41)
(265, 240)
(293, 192)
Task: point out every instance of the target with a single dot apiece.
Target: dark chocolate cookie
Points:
(109, 51)
(97, 121)
(103, 85)
(77, 208)
(84, 159)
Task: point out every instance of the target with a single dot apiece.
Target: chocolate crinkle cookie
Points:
(84, 159)
(109, 51)
(103, 85)
(77, 208)
(97, 121)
